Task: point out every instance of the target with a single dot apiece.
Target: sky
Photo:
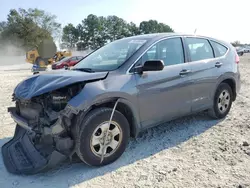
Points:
(221, 19)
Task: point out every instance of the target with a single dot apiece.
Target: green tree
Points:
(21, 28)
(70, 35)
(94, 32)
(147, 27)
(152, 26)
(29, 27)
(97, 31)
(164, 28)
(236, 43)
(82, 43)
(45, 20)
(94, 28)
(117, 28)
(133, 29)
(2, 26)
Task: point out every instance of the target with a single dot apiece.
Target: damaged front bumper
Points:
(19, 120)
(22, 156)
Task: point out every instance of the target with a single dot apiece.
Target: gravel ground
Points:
(194, 151)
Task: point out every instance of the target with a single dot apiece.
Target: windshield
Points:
(111, 56)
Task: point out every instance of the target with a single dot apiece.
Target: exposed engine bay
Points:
(45, 118)
(47, 131)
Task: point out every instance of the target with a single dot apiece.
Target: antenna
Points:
(195, 31)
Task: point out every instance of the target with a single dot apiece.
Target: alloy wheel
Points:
(223, 101)
(106, 139)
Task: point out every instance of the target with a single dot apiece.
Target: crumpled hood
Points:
(49, 81)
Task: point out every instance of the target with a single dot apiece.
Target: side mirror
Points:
(151, 65)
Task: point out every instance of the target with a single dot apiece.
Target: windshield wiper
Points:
(84, 69)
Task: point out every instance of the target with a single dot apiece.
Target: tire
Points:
(66, 67)
(218, 111)
(84, 147)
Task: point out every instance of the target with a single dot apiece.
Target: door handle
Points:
(184, 72)
(218, 64)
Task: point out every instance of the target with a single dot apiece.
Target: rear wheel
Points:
(98, 143)
(222, 101)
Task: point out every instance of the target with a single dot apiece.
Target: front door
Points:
(166, 94)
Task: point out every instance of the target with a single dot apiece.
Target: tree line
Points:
(238, 43)
(94, 32)
(26, 28)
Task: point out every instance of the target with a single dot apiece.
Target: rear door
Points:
(205, 72)
(166, 94)
(220, 52)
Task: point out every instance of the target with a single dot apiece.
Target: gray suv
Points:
(115, 92)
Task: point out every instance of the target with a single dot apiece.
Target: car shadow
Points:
(148, 143)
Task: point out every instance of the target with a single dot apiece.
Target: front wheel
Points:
(222, 101)
(99, 144)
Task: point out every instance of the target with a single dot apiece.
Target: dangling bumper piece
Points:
(20, 154)
(21, 157)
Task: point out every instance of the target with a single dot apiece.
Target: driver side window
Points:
(170, 51)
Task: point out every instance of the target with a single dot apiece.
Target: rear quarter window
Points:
(219, 49)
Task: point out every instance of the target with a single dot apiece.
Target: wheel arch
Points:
(125, 107)
(231, 82)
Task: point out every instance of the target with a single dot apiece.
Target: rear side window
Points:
(199, 49)
(219, 49)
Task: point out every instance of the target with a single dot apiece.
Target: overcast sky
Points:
(226, 20)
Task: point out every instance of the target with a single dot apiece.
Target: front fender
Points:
(96, 93)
